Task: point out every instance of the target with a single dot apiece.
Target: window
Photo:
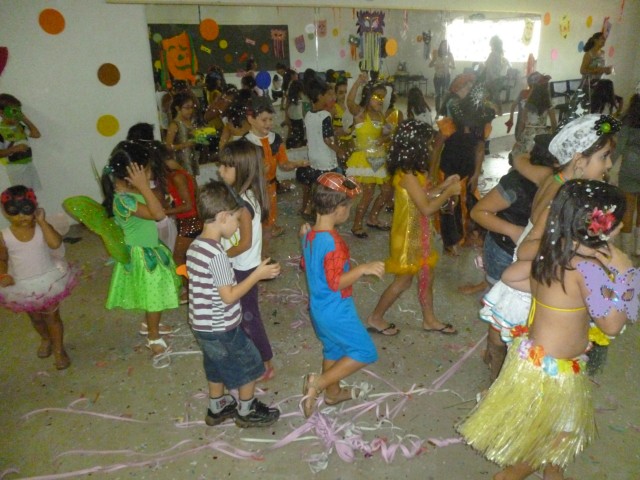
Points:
(469, 39)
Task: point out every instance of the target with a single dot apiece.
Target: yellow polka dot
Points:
(108, 125)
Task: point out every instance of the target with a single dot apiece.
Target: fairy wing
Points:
(90, 213)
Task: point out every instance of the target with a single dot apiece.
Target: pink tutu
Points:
(41, 293)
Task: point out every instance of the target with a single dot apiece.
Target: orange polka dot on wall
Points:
(51, 21)
(108, 74)
(209, 29)
(264, 48)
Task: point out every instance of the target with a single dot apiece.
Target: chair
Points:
(417, 81)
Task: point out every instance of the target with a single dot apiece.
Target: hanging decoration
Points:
(278, 38)
(531, 64)
(370, 29)
(405, 25)
(178, 59)
(321, 28)
(527, 34)
(426, 41)
(606, 27)
(4, 58)
(621, 11)
(354, 43)
(299, 40)
(565, 26)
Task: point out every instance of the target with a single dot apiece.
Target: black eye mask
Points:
(20, 205)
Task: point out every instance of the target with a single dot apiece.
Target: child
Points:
(241, 168)
(34, 277)
(628, 149)
(15, 153)
(537, 110)
(274, 154)
(180, 133)
(322, 145)
(230, 359)
(417, 108)
(342, 122)
(148, 282)
(539, 412)
(346, 345)
(519, 103)
(410, 245)
(236, 125)
(293, 116)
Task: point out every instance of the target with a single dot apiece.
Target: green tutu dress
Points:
(149, 281)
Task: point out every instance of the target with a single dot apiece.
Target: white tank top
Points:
(32, 258)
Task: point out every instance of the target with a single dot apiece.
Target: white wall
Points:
(55, 75)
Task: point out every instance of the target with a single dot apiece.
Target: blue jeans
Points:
(495, 259)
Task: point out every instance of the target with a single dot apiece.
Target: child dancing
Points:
(230, 359)
(241, 168)
(410, 240)
(34, 277)
(148, 282)
(346, 345)
(539, 413)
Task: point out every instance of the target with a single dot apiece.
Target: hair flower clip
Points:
(600, 222)
(107, 170)
(606, 124)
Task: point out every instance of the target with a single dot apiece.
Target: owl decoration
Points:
(278, 38)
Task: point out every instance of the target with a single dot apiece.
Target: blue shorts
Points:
(495, 259)
(229, 357)
(345, 337)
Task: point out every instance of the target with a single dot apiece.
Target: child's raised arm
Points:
(233, 293)
(51, 236)
(352, 276)
(138, 178)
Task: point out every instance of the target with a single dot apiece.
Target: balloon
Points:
(263, 79)
(93, 215)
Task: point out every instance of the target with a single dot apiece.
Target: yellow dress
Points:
(367, 163)
(410, 239)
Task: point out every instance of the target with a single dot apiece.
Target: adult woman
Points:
(367, 162)
(593, 65)
(443, 63)
(495, 71)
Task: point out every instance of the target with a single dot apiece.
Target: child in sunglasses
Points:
(346, 346)
(15, 153)
(34, 277)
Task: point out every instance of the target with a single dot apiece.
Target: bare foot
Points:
(514, 472)
(552, 472)
(310, 392)
(62, 360)
(44, 350)
(452, 251)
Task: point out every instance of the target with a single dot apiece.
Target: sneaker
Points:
(229, 411)
(259, 416)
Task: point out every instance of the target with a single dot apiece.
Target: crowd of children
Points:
(556, 222)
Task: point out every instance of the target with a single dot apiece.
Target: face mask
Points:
(22, 205)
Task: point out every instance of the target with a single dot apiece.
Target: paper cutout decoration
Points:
(4, 58)
(263, 79)
(335, 32)
(179, 61)
(223, 44)
(205, 49)
(310, 36)
(264, 48)
(298, 63)
(228, 58)
(299, 41)
(426, 44)
(370, 29)
(581, 46)
(565, 26)
(547, 19)
(527, 34)
(278, 38)
(391, 47)
(51, 21)
(108, 74)
(606, 27)
(209, 29)
(93, 215)
(321, 28)
(108, 125)
(554, 54)
(156, 37)
(354, 43)
(310, 28)
(589, 21)
(342, 53)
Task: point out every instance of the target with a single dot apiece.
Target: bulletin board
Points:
(232, 46)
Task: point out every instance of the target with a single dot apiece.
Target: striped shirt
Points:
(209, 268)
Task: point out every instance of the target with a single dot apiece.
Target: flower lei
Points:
(606, 124)
(600, 221)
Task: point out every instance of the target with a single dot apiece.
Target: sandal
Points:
(379, 226)
(308, 400)
(164, 329)
(360, 233)
(345, 395)
(157, 346)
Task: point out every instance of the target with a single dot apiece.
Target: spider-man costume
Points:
(325, 257)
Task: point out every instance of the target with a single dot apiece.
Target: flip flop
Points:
(360, 233)
(383, 227)
(442, 330)
(381, 331)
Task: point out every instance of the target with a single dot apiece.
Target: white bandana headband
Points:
(580, 134)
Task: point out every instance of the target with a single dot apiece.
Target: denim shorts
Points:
(495, 259)
(229, 357)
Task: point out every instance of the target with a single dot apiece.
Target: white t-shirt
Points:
(252, 257)
(320, 126)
